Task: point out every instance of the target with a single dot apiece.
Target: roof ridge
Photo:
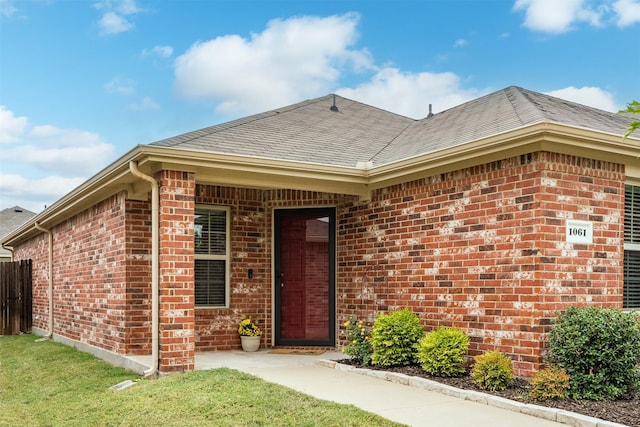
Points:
(515, 94)
(373, 107)
(530, 94)
(17, 208)
(391, 141)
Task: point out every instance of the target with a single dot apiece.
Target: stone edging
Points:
(551, 414)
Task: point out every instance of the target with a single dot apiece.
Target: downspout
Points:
(155, 264)
(44, 230)
(8, 248)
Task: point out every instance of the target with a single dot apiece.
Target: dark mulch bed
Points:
(619, 411)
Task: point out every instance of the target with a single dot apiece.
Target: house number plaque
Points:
(579, 231)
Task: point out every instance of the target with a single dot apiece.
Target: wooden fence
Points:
(15, 297)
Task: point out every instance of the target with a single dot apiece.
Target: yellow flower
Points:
(247, 328)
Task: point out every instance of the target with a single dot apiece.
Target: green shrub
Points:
(492, 371)
(600, 350)
(441, 352)
(394, 338)
(549, 383)
(359, 341)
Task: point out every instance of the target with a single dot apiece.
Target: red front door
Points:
(305, 308)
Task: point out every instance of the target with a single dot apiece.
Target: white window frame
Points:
(226, 257)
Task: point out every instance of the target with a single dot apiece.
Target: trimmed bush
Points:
(492, 371)
(394, 338)
(600, 350)
(549, 383)
(441, 352)
(359, 338)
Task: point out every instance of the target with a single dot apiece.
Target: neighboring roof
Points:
(10, 219)
(357, 133)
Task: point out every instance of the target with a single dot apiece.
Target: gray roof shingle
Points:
(311, 132)
(498, 112)
(308, 132)
(11, 219)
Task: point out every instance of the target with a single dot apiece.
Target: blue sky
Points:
(83, 82)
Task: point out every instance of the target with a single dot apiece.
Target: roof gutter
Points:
(113, 178)
(50, 234)
(155, 264)
(543, 136)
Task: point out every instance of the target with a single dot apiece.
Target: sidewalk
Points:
(317, 376)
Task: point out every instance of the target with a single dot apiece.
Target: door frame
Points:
(283, 212)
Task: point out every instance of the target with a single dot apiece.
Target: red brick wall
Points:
(177, 321)
(251, 246)
(101, 276)
(483, 249)
(138, 249)
(217, 329)
(89, 273)
(37, 249)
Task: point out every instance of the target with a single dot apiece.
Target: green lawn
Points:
(50, 384)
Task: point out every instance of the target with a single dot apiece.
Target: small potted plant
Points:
(249, 335)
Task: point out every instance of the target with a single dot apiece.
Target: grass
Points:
(50, 384)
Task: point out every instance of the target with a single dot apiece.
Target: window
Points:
(212, 252)
(631, 297)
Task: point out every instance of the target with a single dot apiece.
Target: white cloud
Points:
(71, 160)
(7, 8)
(146, 104)
(66, 152)
(559, 16)
(591, 96)
(121, 85)
(128, 7)
(160, 51)
(55, 159)
(628, 12)
(552, 16)
(460, 43)
(114, 19)
(112, 23)
(11, 127)
(291, 59)
(410, 94)
(34, 194)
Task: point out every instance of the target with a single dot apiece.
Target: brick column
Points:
(177, 320)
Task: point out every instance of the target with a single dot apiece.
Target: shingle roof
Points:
(498, 112)
(311, 132)
(308, 131)
(10, 219)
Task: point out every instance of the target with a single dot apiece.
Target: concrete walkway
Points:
(397, 397)
(413, 406)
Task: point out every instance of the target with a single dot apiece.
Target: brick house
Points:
(491, 216)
